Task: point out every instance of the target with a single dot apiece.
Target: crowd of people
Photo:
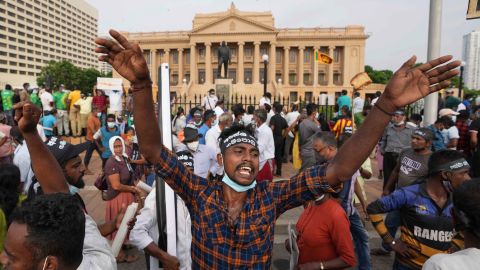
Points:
(222, 167)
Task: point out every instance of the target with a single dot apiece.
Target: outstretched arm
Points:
(45, 166)
(407, 85)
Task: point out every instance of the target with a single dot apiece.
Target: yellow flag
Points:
(323, 58)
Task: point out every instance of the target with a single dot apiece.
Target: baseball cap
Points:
(425, 133)
(447, 111)
(190, 133)
(64, 151)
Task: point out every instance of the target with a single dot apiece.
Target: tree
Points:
(379, 76)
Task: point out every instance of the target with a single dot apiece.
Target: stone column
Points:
(180, 66)
(208, 63)
(256, 62)
(285, 65)
(193, 63)
(240, 71)
(272, 61)
(330, 67)
(166, 56)
(315, 67)
(153, 66)
(301, 49)
(345, 65)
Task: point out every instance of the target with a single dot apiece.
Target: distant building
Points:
(34, 32)
(292, 71)
(104, 67)
(471, 56)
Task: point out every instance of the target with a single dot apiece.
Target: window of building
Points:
(292, 78)
(13, 71)
(232, 74)
(187, 57)
(187, 77)
(292, 58)
(261, 75)
(293, 96)
(308, 96)
(278, 56)
(307, 79)
(278, 75)
(174, 79)
(322, 78)
(201, 76)
(146, 54)
(3, 62)
(175, 57)
(307, 56)
(336, 55)
(201, 52)
(248, 51)
(263, 51)
(337, 78)
(247, 76)
(3, 70)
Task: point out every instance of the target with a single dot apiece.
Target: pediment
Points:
(233, 24)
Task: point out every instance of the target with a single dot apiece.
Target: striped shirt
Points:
(248, 243)
(340, 126)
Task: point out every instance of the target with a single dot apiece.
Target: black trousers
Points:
(389, 163)
(88, 155)
(279, 145)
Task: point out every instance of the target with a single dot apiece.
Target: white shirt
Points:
(247, 119)
(97, 254)
(21, 158)
(461, 106)
(115, 98)
(264, 100)
(358, 104)
(291, 118)
(46, 98)
(451, 133)
(266, 146)
(41, 132)
(466, 259)
(209, 102)
(146, 231)
(269, 116)
(218, 111)
(211, 140)
(374, 101)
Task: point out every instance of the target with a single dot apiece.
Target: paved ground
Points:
(96, 208)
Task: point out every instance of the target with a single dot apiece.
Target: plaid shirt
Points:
(248, 244)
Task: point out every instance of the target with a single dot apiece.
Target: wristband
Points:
(138, 86)
(383, 110)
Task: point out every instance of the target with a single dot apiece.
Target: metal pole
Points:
(460, 82)
(264, 77)
(434, 38)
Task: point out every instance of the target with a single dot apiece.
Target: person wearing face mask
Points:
(84, 106)
(103, 135)
(395, 139)
(266, 145)
(204, 157)
(93, 125)
(306, 129)
(210, 100)
(427, 226)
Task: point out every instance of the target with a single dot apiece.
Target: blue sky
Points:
(398, 29)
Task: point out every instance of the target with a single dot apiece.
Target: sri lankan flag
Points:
(323, 58)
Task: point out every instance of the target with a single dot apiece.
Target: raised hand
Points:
(27, 116)
(125, 57)
(410, 84)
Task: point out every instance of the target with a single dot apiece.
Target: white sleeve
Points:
(211, 142)
(146, 220)
(433, 263)
(453, 133)
(97, 135)
(97, 253)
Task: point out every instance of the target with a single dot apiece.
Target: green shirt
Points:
(7, 99)
(35, 100)
(60, 99)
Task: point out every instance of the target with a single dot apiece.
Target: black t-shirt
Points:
(475, 126)
(279, 123)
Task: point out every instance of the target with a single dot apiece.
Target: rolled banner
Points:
(323, 58)
(123, 230)
(141, 185)
(360, 80)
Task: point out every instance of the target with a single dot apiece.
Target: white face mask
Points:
(110, 124)
(99, 114)
(193, 146)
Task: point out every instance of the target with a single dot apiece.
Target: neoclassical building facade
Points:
(291, 68)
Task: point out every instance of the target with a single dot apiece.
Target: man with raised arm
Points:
(233, 219)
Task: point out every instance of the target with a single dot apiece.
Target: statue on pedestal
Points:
(223, 58)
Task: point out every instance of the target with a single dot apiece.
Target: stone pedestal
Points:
(223, 88)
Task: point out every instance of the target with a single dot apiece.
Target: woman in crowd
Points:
(324, 241)
(179, 121)
(121, 189)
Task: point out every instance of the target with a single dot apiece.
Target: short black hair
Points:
(466, 198)
(56, 227)
(267, 106)
(344, 92)
(268, 95)
(250, 109)
(278, 107)
(294, 107)
(378, 93)
(219, 102)
(443, 157)
(8, 87)
(447, 121)
(111, 116)
(208, 114)
(311, 108)
(416, 117)
(326, 137)
(357, 94)
(227, 132)
(9, 183)
(261, 114)
(238, 110)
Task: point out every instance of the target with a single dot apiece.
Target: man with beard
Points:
(233, 219)
(412, 166)
(425, 212)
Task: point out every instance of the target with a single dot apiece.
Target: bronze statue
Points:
(223, 58)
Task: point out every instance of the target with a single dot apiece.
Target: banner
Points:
(109, 84)
(323, 58)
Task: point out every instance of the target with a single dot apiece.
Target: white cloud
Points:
(398, 29)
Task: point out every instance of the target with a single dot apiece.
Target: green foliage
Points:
(64, 72)
(379, 76)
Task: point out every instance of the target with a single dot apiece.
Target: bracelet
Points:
(383, 110)
(322, 267)
(138, 86)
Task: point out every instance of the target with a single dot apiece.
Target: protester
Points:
(211, 138)
(377, 96)
(238, 112)
(209, 118)
(6, 146)
(451, 102)
(321, 238)
(466, 217)
(358, 103)
(425, 211)
(463, 126)
(306, 129)
(266, 146)
(93, 125)
(21, 159)
(115, 102)
(247, 118)
(450, 133)
(35, 99)
(179, 121)
(9, 196)
(279, 127)
(415, 121)
(210, 100)
(221, 237)
(344, 124)
(196, 118)
(343, 100)
(84, 105)
(49, 122)
(7, 102)
(219, 108)
(47, 100)
(103, 135)
(395, 139)
(100, 102)
(204, 157)
(60, 99)
(437, 128)
(266, 99)
(291, 118)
